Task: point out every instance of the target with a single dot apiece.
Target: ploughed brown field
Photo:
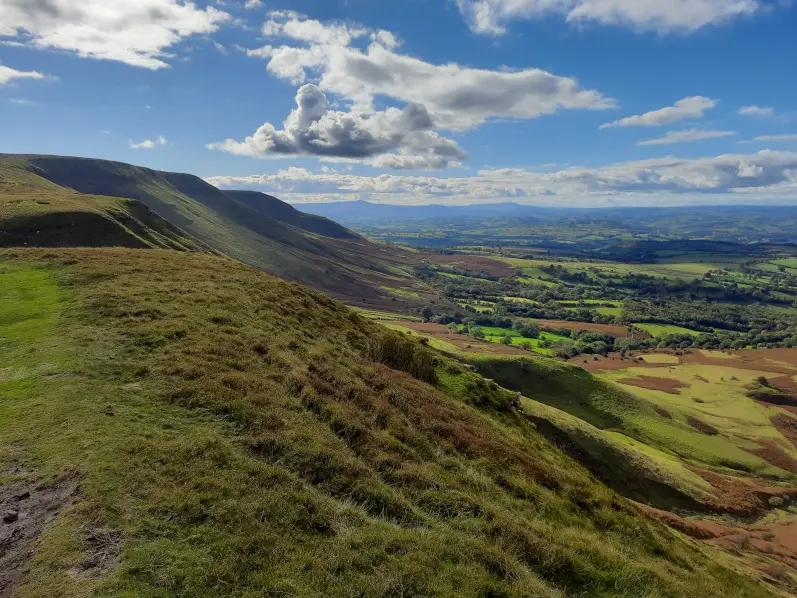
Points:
(663, 384)
(774, 361)
(473, 263)
(614, 330)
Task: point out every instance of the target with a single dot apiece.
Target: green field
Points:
(790, 262)
(660, 330)
(495, 334)
(676, 270)
(374, 314)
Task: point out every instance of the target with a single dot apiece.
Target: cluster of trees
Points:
(729, 316)
(582, 342)
(704, 316)
(594, 283)
(474, 327)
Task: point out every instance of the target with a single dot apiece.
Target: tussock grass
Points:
(231, 430)
(404, 355)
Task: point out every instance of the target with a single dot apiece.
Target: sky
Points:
(548, 102)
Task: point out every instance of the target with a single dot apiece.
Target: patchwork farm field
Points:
(675, 267)
(729, 410)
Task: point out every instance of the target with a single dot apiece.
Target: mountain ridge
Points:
(344, 264)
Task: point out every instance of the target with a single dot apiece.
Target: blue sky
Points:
(554, 102)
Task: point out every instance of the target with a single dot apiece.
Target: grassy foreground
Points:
(224, 433)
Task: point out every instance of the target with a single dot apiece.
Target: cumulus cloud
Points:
(7, 74)
(149, 143)
(662, 16)
(686, 136)
(393, 138)
(293, 25)
(457, 97)
(784, 137)
(765, 174)
(252, 4)
(688, 108)
(756, 111)
(138, 33)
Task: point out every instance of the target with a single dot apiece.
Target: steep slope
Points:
(348, 267)
(35, 212)
(173, 424)
(287, 214)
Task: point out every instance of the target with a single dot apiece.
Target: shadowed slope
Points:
(287, 214)
(37, 213)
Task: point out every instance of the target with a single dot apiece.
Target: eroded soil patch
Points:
(702, 426)
(26, 508)
(786, 425)
(776, 542)
(773, 453)
(741, 497)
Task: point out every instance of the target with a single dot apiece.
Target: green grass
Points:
(401, 292)
(607, 405)
(522, 300)
(660, 330)
(677, 270)
(716, 395)
(624, 462)
(375, 314)
(495, 334)
(230, 430)
(433, 342)
(790, 262)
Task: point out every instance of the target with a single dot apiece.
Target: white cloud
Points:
(7, 74)
(749, 177)
(692, 107)
(784, 137)
(686, 136)
(295, 26)
(756, 111)
(149, 143)
(663, 16)
(252, 4)
(136, 32)
(457, 97)
(393, 138)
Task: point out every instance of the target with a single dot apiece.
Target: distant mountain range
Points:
(513, 224)
(351, 213)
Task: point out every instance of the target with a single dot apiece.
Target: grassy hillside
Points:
(652, 445)
(35, 212)
(176, 424)
(287, 214)
(347, 266)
